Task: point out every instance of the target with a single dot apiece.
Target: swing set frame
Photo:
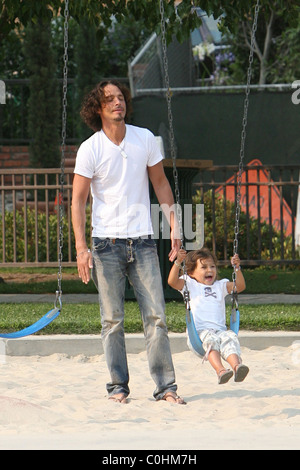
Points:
(55, 312)
(193, 337)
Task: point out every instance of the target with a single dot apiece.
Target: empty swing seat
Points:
(35, 327)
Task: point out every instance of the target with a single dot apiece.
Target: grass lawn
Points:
(85, 318)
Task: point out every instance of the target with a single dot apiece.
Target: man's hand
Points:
(84, 265)
(175, 247)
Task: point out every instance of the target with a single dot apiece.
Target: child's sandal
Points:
(241, 372)
(224, 376)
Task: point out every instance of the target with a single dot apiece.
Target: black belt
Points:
(144, 237)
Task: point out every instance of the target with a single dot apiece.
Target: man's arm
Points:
(164, 195)
(81, 188)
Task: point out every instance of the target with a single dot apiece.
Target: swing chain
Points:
(170, 119)
(243, 137)
(63, 148)
(172, 144)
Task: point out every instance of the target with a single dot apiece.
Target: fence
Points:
(269, 209)
(146, 70)
(30, 217)
(30, 221)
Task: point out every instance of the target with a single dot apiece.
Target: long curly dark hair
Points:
(94, 100)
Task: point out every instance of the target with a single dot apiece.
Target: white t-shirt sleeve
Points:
(154, 152)
(85, 161)
(187, 284)
(223, 283)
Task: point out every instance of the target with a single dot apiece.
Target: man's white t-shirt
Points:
(208, 304)
(119, 181)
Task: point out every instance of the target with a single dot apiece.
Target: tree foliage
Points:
(276, 37)
(235, 15)
(180, 20)
(43, 105)
(15, 13)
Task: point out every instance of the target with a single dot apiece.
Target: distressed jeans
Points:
(114, 260)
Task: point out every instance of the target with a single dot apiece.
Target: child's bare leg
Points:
(214, 359)
(233, 360)
(240, 371)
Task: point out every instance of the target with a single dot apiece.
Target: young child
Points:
(207, 300)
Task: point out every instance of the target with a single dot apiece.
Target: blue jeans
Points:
(114, 260)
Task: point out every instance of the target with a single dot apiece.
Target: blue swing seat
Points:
(193, 337)
(39, 325)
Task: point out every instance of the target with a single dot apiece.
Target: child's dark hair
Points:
(193, 256)
(94, 100)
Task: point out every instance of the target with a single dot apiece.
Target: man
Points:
(117, 162)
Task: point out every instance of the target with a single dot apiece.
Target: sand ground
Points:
(60, 402)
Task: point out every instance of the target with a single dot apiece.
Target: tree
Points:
(14, 13)
(180, 20)
(97, 59)
(86, 57)
(236, 17)
(43, 117)
(286, 65)
(273, 21)
(11, 57)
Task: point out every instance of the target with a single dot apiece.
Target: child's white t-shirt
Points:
(207, 304)
(120, 183)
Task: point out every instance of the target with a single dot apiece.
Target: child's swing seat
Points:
(194, 342)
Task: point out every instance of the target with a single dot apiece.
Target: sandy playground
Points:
(60, 402)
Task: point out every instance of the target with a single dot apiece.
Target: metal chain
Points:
(243, 136)
(170, 119)
(172, 142)
(63, 148)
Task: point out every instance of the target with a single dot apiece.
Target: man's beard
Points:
(119, 118)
